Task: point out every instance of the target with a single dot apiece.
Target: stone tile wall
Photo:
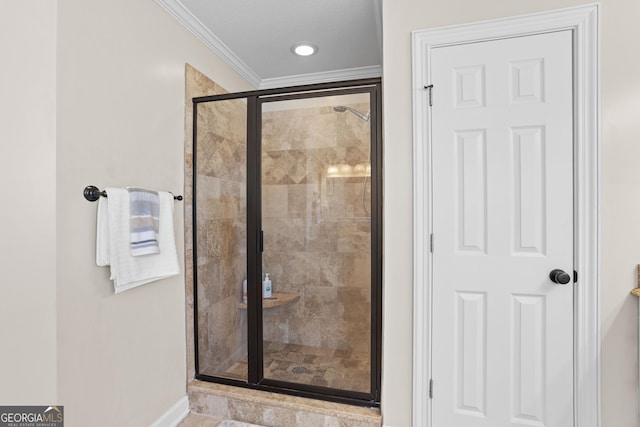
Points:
(221, 215)
(317, 232)
(221, 241)
(196, 84)
(276, 410)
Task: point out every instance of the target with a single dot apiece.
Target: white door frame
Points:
(584, 23)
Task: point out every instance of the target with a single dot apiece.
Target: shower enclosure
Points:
(288, 182)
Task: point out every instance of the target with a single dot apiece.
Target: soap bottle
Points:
(244, 291)
(266, 286)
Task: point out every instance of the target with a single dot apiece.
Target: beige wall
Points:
(620, 182)
(28, 194)
(121, 67)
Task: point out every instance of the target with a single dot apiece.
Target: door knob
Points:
(560, 277)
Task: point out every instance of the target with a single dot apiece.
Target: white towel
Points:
(113, 242)
(102, 233)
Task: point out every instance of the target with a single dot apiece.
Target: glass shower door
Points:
(316, 219)
(286, 182)
(220, 251)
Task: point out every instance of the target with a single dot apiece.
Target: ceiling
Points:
(255, 37)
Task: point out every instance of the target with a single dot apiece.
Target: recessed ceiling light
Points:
(304, 49)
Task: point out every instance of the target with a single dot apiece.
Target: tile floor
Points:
(344, 370)
(195, 420)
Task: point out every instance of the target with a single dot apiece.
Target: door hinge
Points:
(430, 389)
(430, 89)
(431, 243)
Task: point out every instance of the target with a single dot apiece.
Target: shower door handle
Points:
(261, 241)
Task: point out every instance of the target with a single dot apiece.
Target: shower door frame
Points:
(255, 378)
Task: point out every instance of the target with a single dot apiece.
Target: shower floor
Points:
(344, 370)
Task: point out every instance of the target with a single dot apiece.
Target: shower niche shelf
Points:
(277, 300)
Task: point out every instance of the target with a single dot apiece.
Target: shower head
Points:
(342, 109)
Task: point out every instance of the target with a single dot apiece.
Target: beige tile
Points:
(195, 420)
(208, 404)
(196, 84)
(299, 200)
(263, 414)
(283, 235)
(273, 408)
(309, 419)
(275, 202)
(322, 236)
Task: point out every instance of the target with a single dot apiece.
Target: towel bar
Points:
(93, 193)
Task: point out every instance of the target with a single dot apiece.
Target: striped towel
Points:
(145, 221)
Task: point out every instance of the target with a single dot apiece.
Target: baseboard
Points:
(174, 415)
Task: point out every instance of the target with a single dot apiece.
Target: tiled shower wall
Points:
(221, 240)
(317, 232)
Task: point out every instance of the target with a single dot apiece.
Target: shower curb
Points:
(274, 409)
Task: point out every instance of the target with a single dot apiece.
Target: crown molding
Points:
(322, 77)
(176, 9)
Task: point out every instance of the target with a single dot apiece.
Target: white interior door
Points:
(502, 171)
